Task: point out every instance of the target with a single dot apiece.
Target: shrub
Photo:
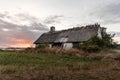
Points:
(1, 50)
(90, 48)
(42, 46)
(95, 43)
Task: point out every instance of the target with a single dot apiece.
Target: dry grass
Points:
(70, 71)
(106, 55)
(71, 52)
(100, 66)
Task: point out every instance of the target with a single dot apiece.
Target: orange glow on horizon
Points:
(117, 39)
(21, 43)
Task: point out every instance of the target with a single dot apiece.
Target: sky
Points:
(23, 21)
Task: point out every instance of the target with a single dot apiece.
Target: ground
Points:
(27, 66)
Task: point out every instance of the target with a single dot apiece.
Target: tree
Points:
(95, 43)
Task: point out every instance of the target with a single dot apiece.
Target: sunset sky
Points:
(23, 21)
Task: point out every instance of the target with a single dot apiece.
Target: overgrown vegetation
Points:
(42, 46)
(27, 66)
(71, 52)
(96, 43)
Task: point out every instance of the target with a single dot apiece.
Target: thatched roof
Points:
(77, 34)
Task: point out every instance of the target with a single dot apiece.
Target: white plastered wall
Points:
(67, 45)
(99, 33)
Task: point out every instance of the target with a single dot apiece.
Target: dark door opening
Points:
(59, 45)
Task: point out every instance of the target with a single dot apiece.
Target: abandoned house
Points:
(70, 37)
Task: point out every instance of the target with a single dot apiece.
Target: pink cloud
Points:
(20, 42)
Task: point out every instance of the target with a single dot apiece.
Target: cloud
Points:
(117, 34)
(116, 38)
(18, 42)
(53, 19)
(108, 14)
(18, 35)
(19, 18)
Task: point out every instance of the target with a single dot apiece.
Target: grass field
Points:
(26, 66)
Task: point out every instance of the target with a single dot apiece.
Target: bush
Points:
(42, 46)
(95, 43)
(90, 48)
(1, 50)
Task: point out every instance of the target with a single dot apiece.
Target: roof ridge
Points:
(92, 26)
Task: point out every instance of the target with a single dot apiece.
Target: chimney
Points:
(52, 29)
